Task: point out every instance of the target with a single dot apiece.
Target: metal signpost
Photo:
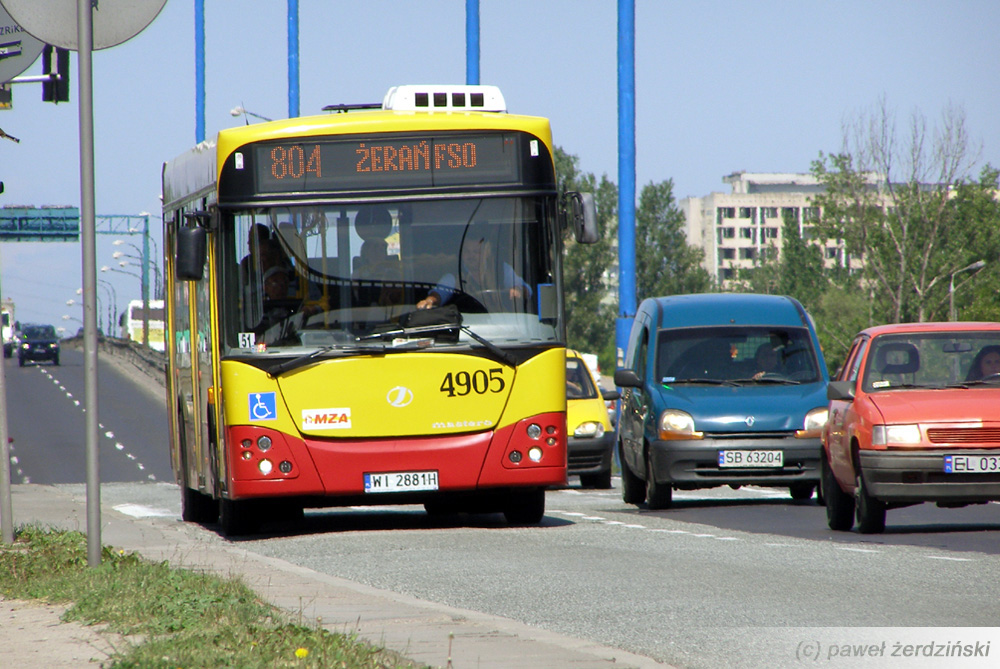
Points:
(83, 28)
(18, 50)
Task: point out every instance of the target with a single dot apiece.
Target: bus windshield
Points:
(339, 275)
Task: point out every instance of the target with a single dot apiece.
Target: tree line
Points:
(917, 236)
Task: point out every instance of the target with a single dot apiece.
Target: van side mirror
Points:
(190, 264)
(581, 213)
(610, 395)
(627, 378)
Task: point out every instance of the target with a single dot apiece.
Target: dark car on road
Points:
(38, 342)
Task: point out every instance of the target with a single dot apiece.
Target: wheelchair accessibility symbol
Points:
(263, 406)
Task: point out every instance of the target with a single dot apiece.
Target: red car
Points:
(913, 417)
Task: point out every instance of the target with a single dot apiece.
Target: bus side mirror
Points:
(581, 213)
(190, 253)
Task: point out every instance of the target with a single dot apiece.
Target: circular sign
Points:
(55, 21)
(18, 49)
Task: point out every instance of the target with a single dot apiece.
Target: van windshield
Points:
(742, 354)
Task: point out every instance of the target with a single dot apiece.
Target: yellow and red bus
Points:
(366, 307)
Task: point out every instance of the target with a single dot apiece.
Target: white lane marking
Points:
(110, 435)
(951, 559)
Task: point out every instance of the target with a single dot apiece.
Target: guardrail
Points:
(148, 361)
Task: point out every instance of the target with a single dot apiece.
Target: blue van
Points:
(720, 389)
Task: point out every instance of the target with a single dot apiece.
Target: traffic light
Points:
(58, 90)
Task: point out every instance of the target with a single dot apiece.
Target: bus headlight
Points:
(265, 466)
(535, 454)
(264, 443)
(676, 424)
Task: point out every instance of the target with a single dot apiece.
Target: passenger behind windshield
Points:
(736, 354)
(767, 361)
(986, 364)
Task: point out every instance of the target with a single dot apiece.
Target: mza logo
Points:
(326, 419)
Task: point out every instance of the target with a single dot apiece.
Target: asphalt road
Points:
(743, 578)
(703, 586)
(46, 420)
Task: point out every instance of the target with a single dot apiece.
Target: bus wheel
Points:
(198, 507)
(525, 507)
(237, 517)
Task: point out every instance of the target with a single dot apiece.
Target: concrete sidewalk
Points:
(428, 633)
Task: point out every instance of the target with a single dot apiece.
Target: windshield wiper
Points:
(303, 360)
(770, 379)
(978, 382)
(415, 330)
(499, 353)
(709, 382)
(908, 386)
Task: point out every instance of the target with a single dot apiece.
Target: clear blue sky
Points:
(721, 86)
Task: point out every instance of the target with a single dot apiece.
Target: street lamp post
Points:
(157, 276)
(145, 296)
(242, 111)
(112, 304)
(979, 264)
(70, 303)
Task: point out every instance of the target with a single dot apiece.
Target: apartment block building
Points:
(737, 228)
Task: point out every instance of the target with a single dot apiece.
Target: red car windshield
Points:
(932, 360)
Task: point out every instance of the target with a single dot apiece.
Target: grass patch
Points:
(174, 617)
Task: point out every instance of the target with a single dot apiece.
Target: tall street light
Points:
(145, 275)
(145, 296)
(242, 111)
(157, 276)
(144, 258)
(979, 264)
(71, 303)
(112, 304)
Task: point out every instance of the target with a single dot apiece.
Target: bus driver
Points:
(479, 276)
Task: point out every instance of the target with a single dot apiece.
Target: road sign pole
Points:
(84, 30)
(88, 238)
(6, 506)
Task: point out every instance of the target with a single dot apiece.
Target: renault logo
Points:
(400, 396)
(750, 420)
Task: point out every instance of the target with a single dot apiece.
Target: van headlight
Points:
(676, 424)
(814, 423)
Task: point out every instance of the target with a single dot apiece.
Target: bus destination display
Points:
(406, 162)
